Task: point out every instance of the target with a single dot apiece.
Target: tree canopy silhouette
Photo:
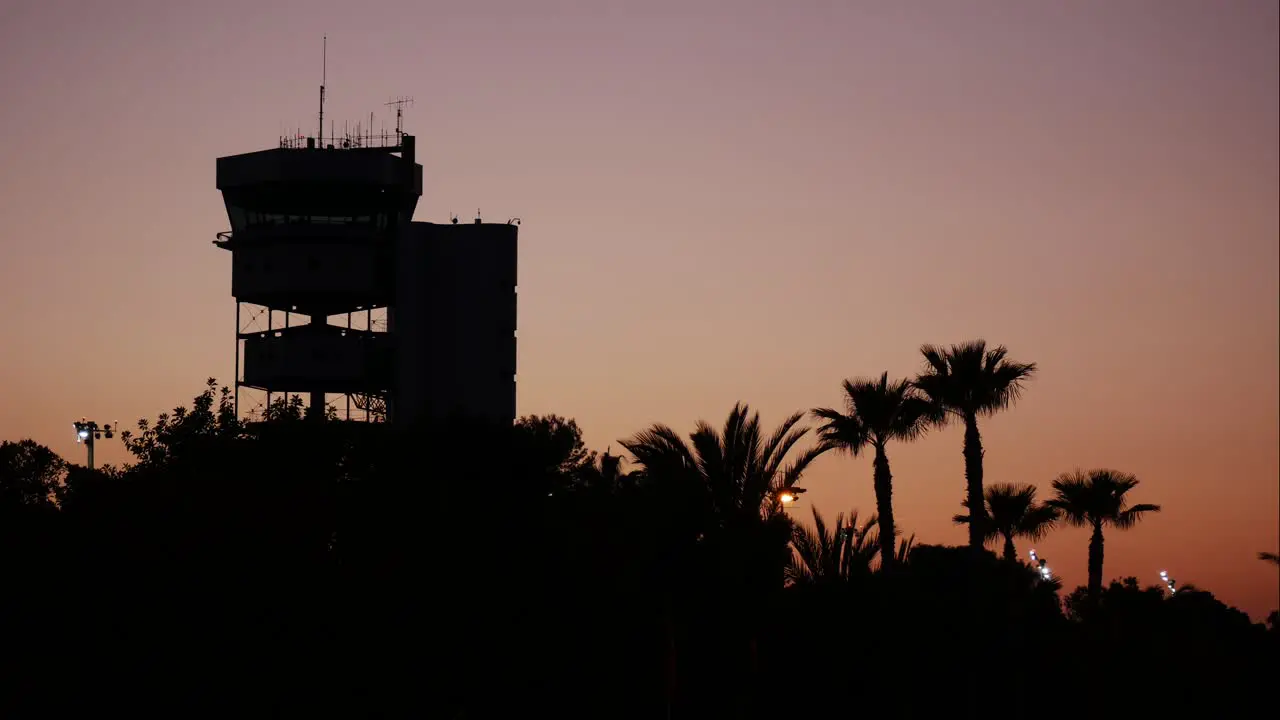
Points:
(30, 474)
(466, 569)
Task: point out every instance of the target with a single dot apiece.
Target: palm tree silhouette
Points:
(737, 475)
(602, 474)
(877, 411)
(964, 382)
(1095, 499)
(1012, 511)
(838, 556)
(740, 471)
(905, 546)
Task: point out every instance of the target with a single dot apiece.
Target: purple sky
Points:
(721, 201)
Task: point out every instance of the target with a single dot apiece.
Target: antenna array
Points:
(399, 104)
(324, 76)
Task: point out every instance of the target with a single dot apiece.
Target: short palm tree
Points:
(905, 546)
(1012, 511)
(838, 556)
(876, 412)
(603, 474)
(739, 469)
(965, 382)
(734, 478)
(1095, 499)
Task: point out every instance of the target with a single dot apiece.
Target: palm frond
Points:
(788, 475)
(783, 439)
(739, 447)
(1098, 496)
(935, 357)
(1007, 382)
(808, 545)
(915, 415)
(737, 466)
(859, 549)
(1269, 557)
(878, 410)
(1037, 522)
(1012, 511)
(710, 462)
(820, 556)
(934, 384)
(1073, 498)
(847, 433)
(904, 549)
(1130, 517)
(971, 379)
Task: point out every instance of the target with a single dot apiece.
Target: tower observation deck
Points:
(341, 297)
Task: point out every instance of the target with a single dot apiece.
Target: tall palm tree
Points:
(1095, 499)
(1012, 511)
(876, 411)
(838, 556)
(965, 382)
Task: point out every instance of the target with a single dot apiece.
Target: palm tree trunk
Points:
(884, 508)
(668, 626)
(1095, 560)
(973, 481)
(1009, 553)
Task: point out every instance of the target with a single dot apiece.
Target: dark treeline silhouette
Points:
(292, 567)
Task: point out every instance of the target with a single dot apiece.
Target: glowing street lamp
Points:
(788, 495)
(1169, 582)
(87, 431)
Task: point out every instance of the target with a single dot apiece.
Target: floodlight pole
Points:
(1041, 565)
(87, 431)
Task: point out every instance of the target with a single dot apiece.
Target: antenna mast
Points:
(400, 104)
(324, 75)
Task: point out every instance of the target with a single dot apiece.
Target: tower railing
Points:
(346, 141)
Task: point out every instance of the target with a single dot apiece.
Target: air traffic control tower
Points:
(343, 299)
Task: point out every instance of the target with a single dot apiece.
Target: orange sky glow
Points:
(721, 201)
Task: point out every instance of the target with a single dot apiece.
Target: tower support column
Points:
(317, 406)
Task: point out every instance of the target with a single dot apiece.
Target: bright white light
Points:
(84, 434)
(787, 498)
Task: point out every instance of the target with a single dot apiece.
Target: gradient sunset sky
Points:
(722, 201)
